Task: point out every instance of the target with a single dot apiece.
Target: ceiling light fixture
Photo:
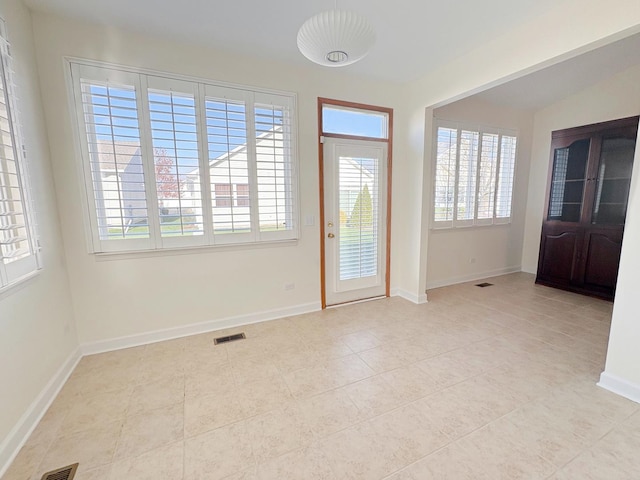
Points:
(336, 38)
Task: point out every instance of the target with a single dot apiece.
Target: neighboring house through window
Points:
(172, 163)
(474, 173)
(19, 257)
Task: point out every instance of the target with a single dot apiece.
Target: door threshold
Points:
(352, 302)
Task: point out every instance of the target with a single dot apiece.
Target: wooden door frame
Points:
(389, 141)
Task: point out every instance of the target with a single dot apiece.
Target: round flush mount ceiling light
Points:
(336, 38)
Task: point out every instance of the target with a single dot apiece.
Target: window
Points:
(474, 171)
(173, 163)
(19, 256)
(231, 195)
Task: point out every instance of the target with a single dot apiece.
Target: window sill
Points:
(436, 228)
(164, 252)
(16, 285)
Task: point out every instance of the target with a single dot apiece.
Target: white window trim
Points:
(227, 241)
(475, 222)
(16, 273)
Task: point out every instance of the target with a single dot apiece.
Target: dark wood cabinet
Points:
(587, 195)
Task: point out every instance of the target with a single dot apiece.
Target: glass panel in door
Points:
(568, 181)
(355, 212)
(614, 179)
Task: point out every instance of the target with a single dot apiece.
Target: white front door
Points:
(355, 206)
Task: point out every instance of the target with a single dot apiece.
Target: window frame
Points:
(480, 130)
(146, 81)
(17, 271)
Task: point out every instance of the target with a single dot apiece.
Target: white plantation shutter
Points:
(229, 152)
(109, 107)
(358, 193)
(506, 172)
(481, 185)
(18, 252)
(487, 176)
(467, 176)
(445, 177)
(274, 166)
(174, 163)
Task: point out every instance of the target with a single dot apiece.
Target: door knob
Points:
(330, 235)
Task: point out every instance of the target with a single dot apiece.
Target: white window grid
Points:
(19, 248)
(456, 198)
(250, 215)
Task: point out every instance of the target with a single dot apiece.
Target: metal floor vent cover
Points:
(64, 473)
(230, 338)
(484, 284)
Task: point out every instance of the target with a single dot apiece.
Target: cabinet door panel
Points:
(558, 248)
(601, 258)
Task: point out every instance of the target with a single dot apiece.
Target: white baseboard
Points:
(412, 297)
(101, 346)
(620, 386)
(18, 436)
(474, 276)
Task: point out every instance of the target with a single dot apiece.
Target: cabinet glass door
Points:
(614, 178)
(568, 181)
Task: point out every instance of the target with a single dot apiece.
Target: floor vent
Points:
(484, 284)
(230, 338)
(64, 473)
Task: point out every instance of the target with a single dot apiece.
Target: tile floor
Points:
(480, 383)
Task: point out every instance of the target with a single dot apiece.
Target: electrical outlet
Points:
(472, 260)
(289, 286)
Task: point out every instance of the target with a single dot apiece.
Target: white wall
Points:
(37, 332)
(494, 249)
(616, 97)
(137, 294)
(544, 40)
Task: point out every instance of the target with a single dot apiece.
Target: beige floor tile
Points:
(360, 341)
(25, 464)
(540, 434)
(208, 412)
(100, 409)
(499, 454)
(374, 396)
(410, 434)
(329, 412)
(92, 448)
(357, 453)
(150, 430)
(263, 395)
(218, 454)
(165, 463)
(253, 369)
(310, 381)
(306, 463)
(278, 432)
(477, 384)
(411, 382)
(155, 368)
(151, 396)
(205, 381)
(349, 369)
(100, 473)
(448, 463)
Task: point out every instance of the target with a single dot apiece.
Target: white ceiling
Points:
(413, 36)
(551, 84)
